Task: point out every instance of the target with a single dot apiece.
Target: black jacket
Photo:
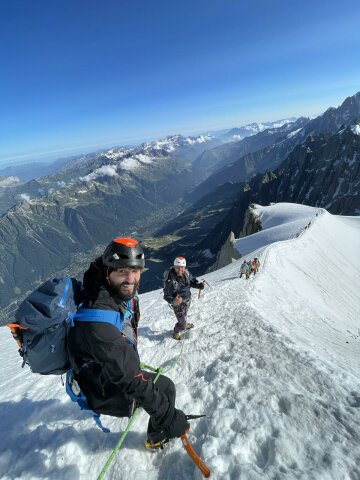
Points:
(175, 285)
(107, 367)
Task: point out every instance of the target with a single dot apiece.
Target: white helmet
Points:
(179, 262)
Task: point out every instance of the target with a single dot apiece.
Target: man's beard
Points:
(117, 293)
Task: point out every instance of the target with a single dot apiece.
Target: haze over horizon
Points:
(80, 77)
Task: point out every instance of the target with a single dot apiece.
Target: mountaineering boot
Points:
(176, 336)
(156, 445)
(188, 326)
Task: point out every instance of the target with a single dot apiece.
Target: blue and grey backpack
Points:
(44, 319)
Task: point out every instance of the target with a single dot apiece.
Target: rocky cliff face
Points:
(252, 223)
(324, 172)
(226, 255)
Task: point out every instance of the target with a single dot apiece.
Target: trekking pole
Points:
(194, 456)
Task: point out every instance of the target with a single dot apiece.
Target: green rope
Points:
(144, 366)
(118, 445)
(137, 411)
(176, 360)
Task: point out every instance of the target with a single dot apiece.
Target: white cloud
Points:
(25, 196)
(105, 171)
(144, 158)
(130, 164)
(199, 139)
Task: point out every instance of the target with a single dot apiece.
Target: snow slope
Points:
(273, 361)
(279, 222)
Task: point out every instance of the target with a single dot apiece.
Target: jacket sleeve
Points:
(169, 291)
(122, 365)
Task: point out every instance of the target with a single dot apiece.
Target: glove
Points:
(177, 300)
(178, 425)
(201, 285)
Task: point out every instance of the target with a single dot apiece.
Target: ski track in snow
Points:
(267, 362)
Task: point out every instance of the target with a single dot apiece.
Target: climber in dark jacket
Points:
(105, 360)
(177, 283)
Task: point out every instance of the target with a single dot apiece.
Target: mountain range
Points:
(181, 195)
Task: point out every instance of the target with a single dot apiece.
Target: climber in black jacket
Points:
(105, 359)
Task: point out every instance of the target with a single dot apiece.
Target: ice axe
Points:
(194, 456)
(206, 283)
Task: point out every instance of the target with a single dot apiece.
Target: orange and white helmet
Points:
(179, 262)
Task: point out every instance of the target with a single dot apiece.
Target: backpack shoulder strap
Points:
(172, 277)
(62, 301)
(169, 275)
(100, 316)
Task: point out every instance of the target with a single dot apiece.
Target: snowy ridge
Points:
(273, 361)
(133, 158)
(238, 133)
(279, 222)
(171, 142)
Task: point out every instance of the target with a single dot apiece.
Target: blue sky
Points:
(77, 75)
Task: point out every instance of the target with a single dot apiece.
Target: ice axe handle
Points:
(194, 456)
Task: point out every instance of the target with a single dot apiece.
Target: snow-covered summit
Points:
(167, 144)
(171, 142)
(133, 158)
(238, 133)
(278, 222)
(260, 127)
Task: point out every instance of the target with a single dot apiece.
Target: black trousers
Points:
(166, 386)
